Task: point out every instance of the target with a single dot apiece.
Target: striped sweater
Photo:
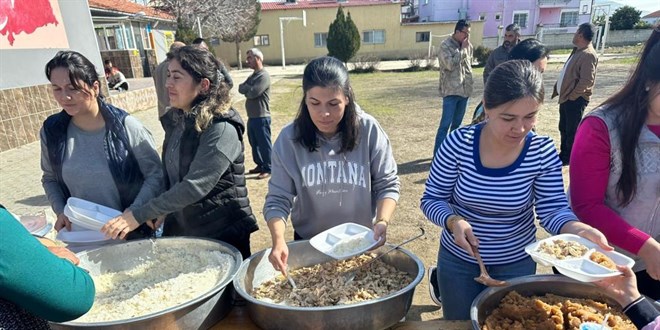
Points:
(498, 203)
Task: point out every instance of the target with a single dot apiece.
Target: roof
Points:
(655, 14)
(128, 7)
(310, 4)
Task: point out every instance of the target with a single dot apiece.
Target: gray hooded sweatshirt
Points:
(322, 189)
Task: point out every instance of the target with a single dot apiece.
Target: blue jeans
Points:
(458, 287)
(258, 130)
(453, 110)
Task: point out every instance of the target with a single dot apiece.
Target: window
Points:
(373, 37)
(569, 18)
(261, 40)
(320, 40)
(498, 16)
(482, 16)
(423, 36)
(520, 18)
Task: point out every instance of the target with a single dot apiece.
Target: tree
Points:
(343, 37)
(230, 20)
(184, 33)
(239, 23)
(625, 18)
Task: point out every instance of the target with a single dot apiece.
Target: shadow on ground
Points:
(39, 200)
(415, 166)
(415, 311)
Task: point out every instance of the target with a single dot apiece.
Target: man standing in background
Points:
(257, 103)
(160, 78)
(574, 86)
(455, 60)
(501, 53)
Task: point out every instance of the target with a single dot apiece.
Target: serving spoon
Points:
(349, 276)
(484, 278)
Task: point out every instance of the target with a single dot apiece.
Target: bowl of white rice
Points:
(167, 283)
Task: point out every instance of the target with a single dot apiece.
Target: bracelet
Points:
(382, 220)
(451, 221)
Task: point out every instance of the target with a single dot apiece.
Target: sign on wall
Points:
(28, 24)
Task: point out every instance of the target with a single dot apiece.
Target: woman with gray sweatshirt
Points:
(332, 165)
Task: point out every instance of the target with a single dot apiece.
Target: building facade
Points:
(379, 21)
(533, 16)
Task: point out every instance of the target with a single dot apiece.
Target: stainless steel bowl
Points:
(373, 314)
(199, 313)
(489, 299)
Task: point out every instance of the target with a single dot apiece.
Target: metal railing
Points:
(546, 3)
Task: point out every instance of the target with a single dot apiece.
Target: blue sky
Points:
(646, 6)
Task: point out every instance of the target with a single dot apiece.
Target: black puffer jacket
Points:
(225, 212)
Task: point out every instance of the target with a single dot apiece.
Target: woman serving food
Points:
(332, 165)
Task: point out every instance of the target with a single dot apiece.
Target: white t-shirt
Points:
(561, 75)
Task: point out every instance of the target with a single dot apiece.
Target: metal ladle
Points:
(484, 278)
(349, 276)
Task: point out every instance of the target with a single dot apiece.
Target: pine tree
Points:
(343, 37)
(184, 33)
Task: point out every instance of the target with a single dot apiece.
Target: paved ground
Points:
(20, 172)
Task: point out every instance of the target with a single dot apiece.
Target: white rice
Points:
(350, 246)
(175, 276)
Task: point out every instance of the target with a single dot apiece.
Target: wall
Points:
(161, 34)
(25, 97)
(127, 60)
(299, 40)
(565, 40)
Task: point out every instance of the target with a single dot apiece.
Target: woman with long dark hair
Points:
(487, 185)
(615, 168)
(92, 149)
(203, 159)
(332, 165)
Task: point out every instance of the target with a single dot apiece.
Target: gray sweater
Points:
(256, 89)
(86, 173)
(323, 189)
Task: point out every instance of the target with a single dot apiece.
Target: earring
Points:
(648, 88)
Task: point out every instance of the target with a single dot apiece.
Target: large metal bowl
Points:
(373, 314)
(199, 313)
(489, 299)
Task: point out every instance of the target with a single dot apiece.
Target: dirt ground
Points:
(407, 105)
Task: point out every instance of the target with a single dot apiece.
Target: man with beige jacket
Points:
(455, 60)
(574, 87)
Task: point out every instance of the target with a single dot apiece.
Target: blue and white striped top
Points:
(498, 203)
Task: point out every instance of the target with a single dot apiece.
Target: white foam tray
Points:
(87, 214)
(580, 268)
(328, 240)
(79, 235)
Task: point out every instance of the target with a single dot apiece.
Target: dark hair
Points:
(587, 30)
(198, 41)
(461, 24)
(631, 105)
(201, 64)
(529, 49)
(327, 72)
(106, 62)
(79, 67)
(513, 27)
(513, 80)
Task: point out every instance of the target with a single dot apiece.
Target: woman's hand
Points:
(623, 288)
(650, 253)
(380, 233)
(588, 232)
(120, 226)
(62, 221)
(463, 235)
(64, 253)
(278, 257)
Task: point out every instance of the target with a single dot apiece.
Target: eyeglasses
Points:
(467, 32)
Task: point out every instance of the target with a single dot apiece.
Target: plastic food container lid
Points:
(344, 241)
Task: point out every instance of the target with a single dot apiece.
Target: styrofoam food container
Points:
(331, 239)
(579, 268)
(79, 235)
(89, 215)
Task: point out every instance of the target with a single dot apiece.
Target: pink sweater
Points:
(589, 173)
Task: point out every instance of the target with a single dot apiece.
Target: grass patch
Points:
(626, 60)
